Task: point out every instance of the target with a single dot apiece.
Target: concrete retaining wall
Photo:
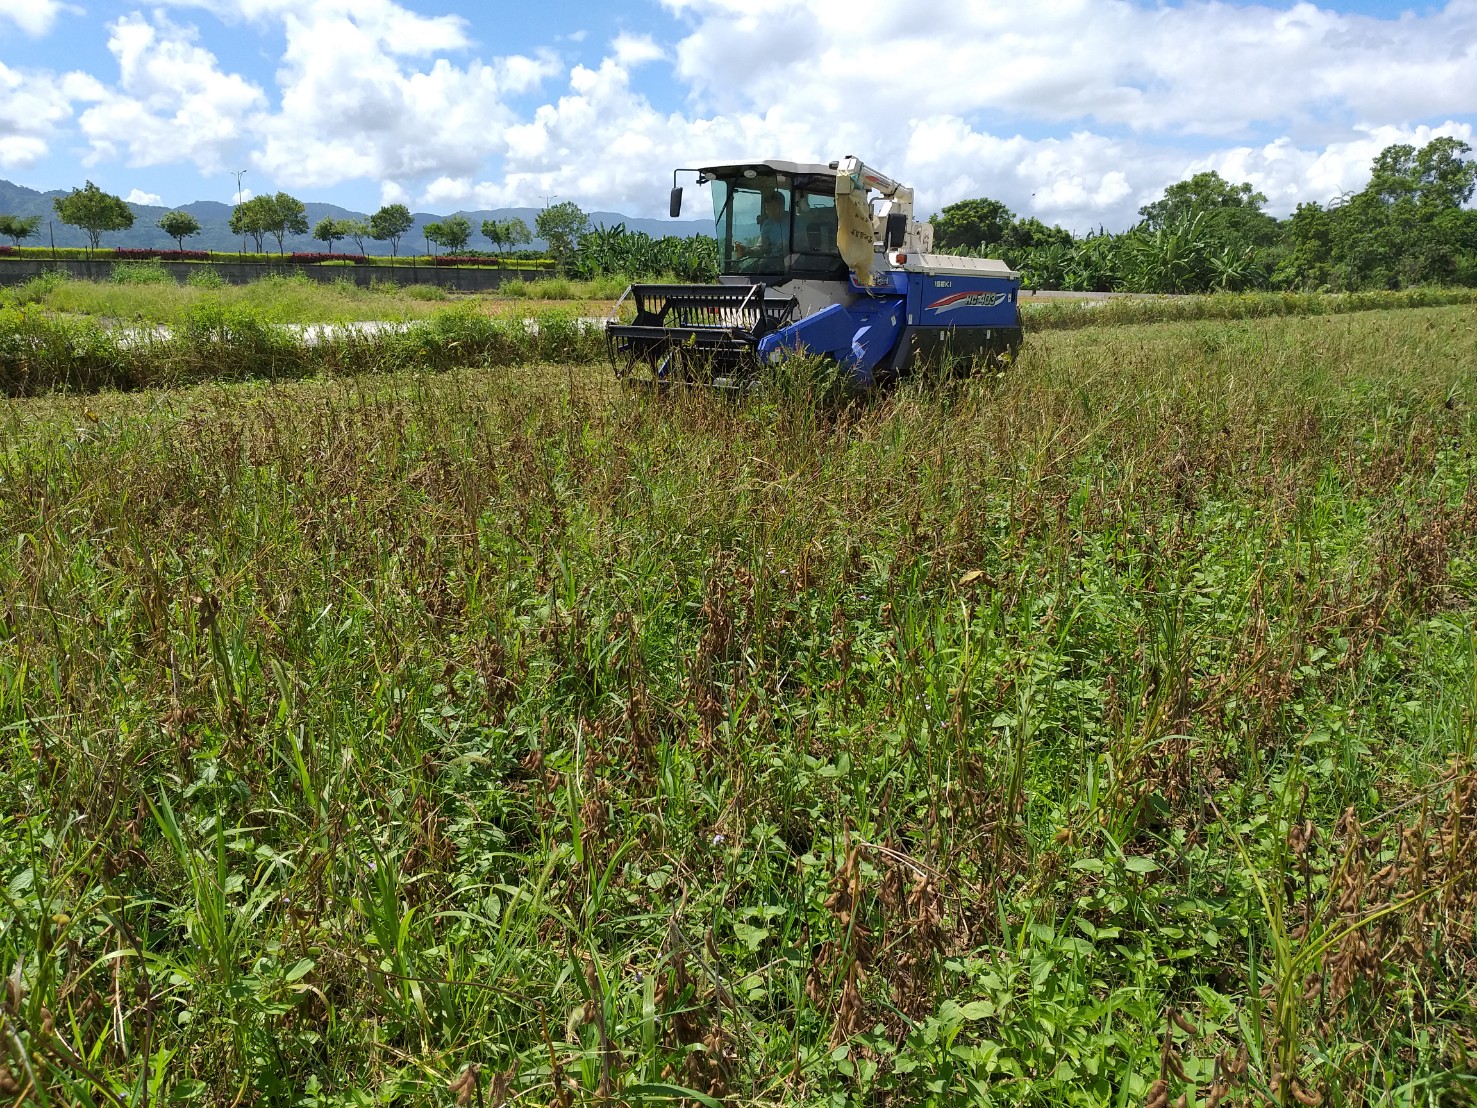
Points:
(14, 271)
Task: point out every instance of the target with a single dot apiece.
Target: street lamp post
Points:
(239, 174)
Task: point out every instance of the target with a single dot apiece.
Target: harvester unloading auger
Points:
(808, 263)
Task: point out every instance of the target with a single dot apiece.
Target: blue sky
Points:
(1077, 111)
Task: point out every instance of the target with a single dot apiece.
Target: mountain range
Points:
(215, 225)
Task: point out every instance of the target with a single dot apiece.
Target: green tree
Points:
(18, 227)
(455, 231)
(1030, 233)
(1417, 225)
(1308, 259)
(1435, 177)
(1232, 214)
(506, 232)
(356, 230)
(329, 230)
(1369, 237)
(389, 224)
(433, 233)
(179, 226)
(289, 216)
(1200, 193)
(972, 224)
(561, 227)
(1408, 226)
(254, 218)
(1447, 179)
(94, 211)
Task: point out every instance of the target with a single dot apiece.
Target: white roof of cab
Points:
(779, 166)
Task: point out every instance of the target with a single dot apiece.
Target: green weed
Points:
(292, 298)
(1070, 314)
(37, 290)
(1098, 733)
(140, 273)
(208, 278)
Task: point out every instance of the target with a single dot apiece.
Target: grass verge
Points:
(138, 295)
(1062, 315)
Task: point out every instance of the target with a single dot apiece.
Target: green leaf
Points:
(299, 971)
(657, 1090)
(1138, 863)
(751, 936)
(977, 1010)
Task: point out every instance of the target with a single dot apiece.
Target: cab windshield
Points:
(775, 225)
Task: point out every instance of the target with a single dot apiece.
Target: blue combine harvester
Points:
(823, 259)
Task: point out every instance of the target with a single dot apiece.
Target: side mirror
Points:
(674, 208)
(897, 231)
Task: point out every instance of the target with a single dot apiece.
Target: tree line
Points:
(96, 213)
(1408, 226)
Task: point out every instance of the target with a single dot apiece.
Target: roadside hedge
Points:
(40, 353)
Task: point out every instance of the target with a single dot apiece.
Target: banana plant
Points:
(635, 254)
(1234, 270)
(1170, 259)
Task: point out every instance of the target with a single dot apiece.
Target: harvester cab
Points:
(822, 259)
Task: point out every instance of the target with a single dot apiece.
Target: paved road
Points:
(310, 334)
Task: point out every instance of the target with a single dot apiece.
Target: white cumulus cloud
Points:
(34, 17)
(633, 50)
(33, 107)
(172, 102)
(1085, 179)
(366, 90)
(1076, 111)
(363, 91)
(955, 97)
(1209, 67)
(1288, 175)
(149, 199)
(604, 146)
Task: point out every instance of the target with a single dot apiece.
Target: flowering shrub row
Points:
(311, 257)
(522, 260)
(128, 254)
